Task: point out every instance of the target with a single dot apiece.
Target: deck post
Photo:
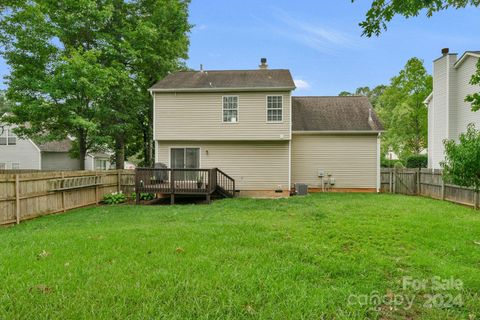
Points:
(172, 186)
(208, 198)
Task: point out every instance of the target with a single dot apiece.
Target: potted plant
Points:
(199, 182)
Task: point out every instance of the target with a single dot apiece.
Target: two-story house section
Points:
(241, 121)
(448, 113)
(22, 153)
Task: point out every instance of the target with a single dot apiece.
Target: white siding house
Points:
(448, 113)
(18, 153)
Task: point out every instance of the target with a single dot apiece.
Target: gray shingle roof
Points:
(56, 146)
(333, 114)
(226, 79)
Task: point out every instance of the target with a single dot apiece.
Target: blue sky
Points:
(319, 41)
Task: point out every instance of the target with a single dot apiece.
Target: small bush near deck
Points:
(114, 198)
(144, 196)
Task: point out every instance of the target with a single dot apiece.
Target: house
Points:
(448, 113)
(18, 153)
(248, 124)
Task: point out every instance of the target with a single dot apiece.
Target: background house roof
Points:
(55, 146)
(226, 79)
(333, 114)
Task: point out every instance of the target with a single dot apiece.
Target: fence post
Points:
(394, 180)
(62, 185)
(390, 177)
(476, 200)
(419, 191)
(119, 177)
(96, 188)
(17, 198)
(443, 187)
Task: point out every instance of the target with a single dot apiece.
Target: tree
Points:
(56, 79)
(462, 160)
(402, 111)
(4, 103)
(82, 69)
(383, 11)
(372, 94)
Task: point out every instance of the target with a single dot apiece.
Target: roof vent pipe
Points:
(370, 119)
(263, 64)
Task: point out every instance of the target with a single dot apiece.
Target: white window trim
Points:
(169, 164)
(266, 109)
(7, 135)
(238, 109)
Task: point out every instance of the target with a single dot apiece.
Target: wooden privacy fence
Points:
(429, 183)
(28, 195)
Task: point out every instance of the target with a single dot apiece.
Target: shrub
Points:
(462, 160)
(143, 196)
(417, 161)
(387, 163)
(114, 198)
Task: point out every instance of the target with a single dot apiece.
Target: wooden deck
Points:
(206, 182)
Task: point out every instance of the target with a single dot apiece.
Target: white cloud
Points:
(302, 84)
(199, 27)
(318, 37)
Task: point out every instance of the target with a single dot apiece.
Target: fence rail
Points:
(25, 196)
(429, 183)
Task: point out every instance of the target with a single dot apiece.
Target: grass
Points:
(297, 258)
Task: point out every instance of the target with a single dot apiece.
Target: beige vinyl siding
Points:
(253, 165)
(351, 159)
(465, 115)
(199, 116)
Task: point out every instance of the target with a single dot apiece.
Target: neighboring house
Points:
(246, 123)
(16, 153)
(448, 113)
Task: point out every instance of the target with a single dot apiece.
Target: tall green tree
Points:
(56, 79)
(383, 11)
(4, 103)
(372, 94)
(83, 68)
(402, 111)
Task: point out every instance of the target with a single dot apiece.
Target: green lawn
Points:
(303, 257)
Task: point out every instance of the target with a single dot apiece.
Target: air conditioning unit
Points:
(301, 189)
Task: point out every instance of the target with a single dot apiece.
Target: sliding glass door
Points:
(185, 158)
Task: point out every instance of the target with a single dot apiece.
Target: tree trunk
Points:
(82, 148)
(120, 151)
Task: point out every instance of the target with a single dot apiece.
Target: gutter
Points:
(375, 132)
(223, 89)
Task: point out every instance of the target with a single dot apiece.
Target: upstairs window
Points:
(274, 109)
(230, 109)
(8, 138)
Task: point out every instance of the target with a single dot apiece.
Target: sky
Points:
(319, 41)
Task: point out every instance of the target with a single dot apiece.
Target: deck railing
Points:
(183, 182)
